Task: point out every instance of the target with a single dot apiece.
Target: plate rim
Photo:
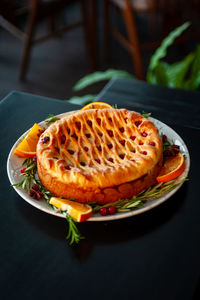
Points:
(151, 204)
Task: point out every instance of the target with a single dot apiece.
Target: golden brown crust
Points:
(99, 155)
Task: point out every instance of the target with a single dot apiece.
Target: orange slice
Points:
(173, 167)
(27, 148)
(78, 211)
(97, 105)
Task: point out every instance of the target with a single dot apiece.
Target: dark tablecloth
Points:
(154, 255)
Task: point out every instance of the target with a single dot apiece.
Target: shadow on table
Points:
(105, 233)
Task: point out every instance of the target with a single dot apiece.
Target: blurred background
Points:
(117, 34)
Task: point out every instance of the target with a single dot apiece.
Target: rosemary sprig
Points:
(30, 178)
(28, 175)
(73, 235)
(50, 119)
(139, 200)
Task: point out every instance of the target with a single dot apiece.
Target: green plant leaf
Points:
(100, 76)
(193, 80)
(178, 71)
(160, 76)
(82, 100)
(162, 50)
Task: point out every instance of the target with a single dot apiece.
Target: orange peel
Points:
(96, 105)
(78, 211)
(173, 168)
(27, 147)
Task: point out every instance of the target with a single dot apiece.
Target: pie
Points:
(100, 155)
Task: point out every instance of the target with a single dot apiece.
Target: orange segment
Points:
(173, 167)
(27, 148)
(78, 211)
(96, 105)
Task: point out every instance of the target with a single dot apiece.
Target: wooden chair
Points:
(48, 8)
(127, 9)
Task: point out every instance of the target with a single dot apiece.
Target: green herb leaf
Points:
(162, 50)
(73, 235)
(146, 115)
(100, 76)
(139, 200)
(50, 119)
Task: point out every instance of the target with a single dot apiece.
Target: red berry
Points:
(23, 170)
(112, 210)
(121, 129)
(63, 139)
(133, 137)
(137, 123)
(98, 160)
(89, 122)
(110, 132)
(103, 211)
(144, 134)
(86, 149)
(35, 187)
(99, 121)
(34, 159)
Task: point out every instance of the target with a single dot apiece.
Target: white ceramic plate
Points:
(14, 165)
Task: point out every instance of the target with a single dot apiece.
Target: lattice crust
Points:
(95, 149)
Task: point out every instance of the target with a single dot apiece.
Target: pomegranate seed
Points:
(98, 160)
(99, 147)
(112, 210)
(144, 134)
(87, 135)
(122, 156)
(86, 149)
(70, 151)
(144, 152)
(35, 187)
(110, 146)
(45, 140)
(125, 119)
(110, 159)
(68, 167)
(110, 132)
(152, 143)
(89, 122)
(78, 125)
(122, 142)
(99, 121)
(121, 129)
(75, 136)
(103, 211)
(82, 163)
(100, 134)
(133, 137)
(23, 170)
(137, 123)
(141, 143)
(132, 159)
(34, 159)
(63, 139)
(133, 150)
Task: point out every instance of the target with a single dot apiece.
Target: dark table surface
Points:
(154, 255)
